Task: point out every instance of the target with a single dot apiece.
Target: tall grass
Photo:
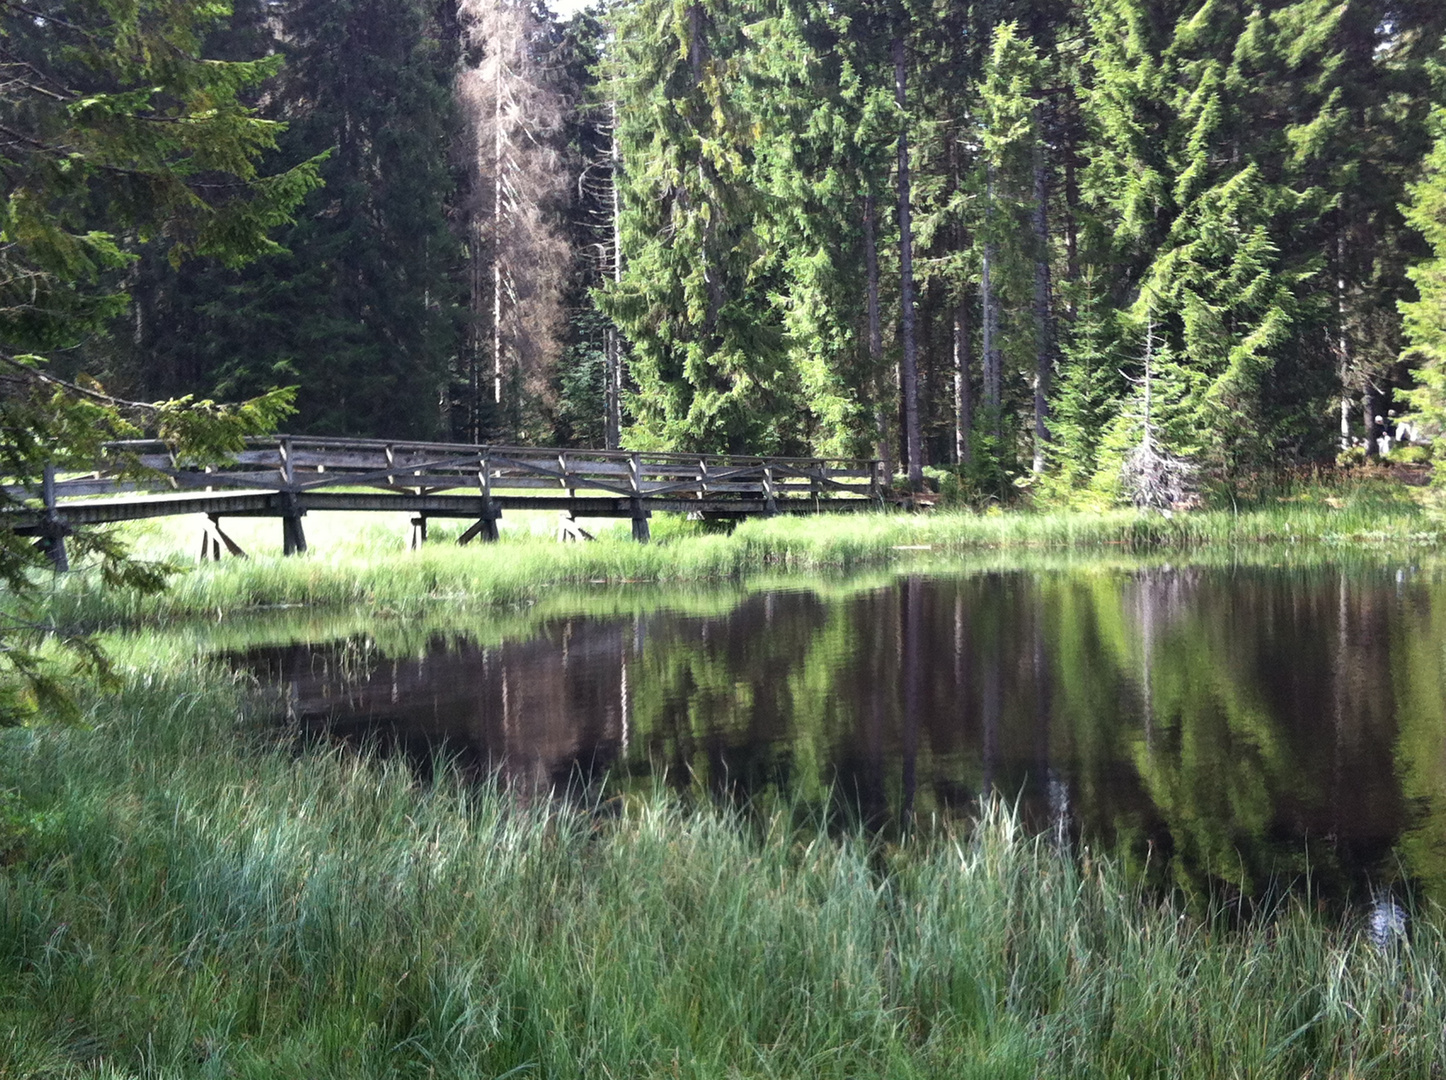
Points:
(354, 566)
(183, 898)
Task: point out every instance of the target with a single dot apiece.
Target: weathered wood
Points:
(484, 527)
(569, 529)
(214, 540)
(288, 476)
(641, 532)
(52, 536)
(293, 536)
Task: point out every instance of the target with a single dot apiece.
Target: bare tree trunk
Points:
(515, 116)
(963, 392)
(993, 361)
(1043, 326)
(613, 374)
(1343, 347)
(477, 274)
(909, 379)
(696, 54)
(963, 344)
(498, 164)
(1071, 202)
(876, 338)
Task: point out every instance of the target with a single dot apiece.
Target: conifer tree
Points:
(359, 308)
(708, 360)
(117, 132)
(825, 132)
(1089, 390)
(1425, 317)
(1009, 137)
(1188, 167)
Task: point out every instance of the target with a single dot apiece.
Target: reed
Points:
(185, 896)
(357, 562)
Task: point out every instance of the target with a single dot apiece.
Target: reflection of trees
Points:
(1220, 716)
(1419, 680)
(1245, 690)
(716, 700)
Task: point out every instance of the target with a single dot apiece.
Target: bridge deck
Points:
(289, 476)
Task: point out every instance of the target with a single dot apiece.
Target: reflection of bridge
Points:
(287, 476)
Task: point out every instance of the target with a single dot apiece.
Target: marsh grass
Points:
(358, 559)
(185, 895)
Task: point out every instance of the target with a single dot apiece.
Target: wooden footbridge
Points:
(289, 476)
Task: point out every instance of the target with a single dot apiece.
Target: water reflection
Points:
(1222, 728)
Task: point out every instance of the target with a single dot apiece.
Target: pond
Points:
(1219, 727)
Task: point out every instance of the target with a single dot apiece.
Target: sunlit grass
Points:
(183, 898)
(361, 559)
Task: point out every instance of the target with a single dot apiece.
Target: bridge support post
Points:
(485, 527)
(214, 540)
(770, 493)
(293, 537)
(641, 532)
(419, 532)
(53, 530)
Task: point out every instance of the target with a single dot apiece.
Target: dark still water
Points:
(1230, 727)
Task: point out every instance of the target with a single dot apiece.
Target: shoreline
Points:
(361, 568)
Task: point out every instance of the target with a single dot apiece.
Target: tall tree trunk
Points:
(909, 378)
(498, 146)
(1371, 408)
(1043, 325)
(963, 345)
(1071, 199)
(476, 331)
(963, 392)
(613, 374)
(1343, 346)
(697, 62)
(989, 305)
(876, 339)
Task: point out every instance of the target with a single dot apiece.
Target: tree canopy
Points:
(691, 225)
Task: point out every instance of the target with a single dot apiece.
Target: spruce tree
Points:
(1008, 138)
(708, 356)
(1425, 317)
(1088, 393)
(825, 136)
(1191, 173)
(360, 309)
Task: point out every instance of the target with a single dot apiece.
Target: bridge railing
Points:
(297, 464)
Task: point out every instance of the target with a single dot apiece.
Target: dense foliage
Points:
(1167, 224)
(117, 137)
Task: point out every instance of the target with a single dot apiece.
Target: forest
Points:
(1046, 246)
